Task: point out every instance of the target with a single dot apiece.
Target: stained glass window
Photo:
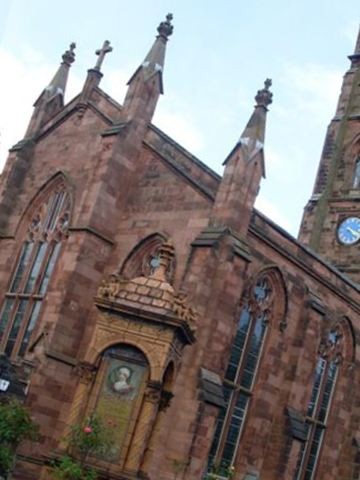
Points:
(32, 273)
(240, 374)
(319, 406)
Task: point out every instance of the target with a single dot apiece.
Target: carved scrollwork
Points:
(35, 224)
(110, 286)
(266, 298)
(182, 309)
(86, 371)
(259, 300)
(114, 287)
(152, 292)
(165, 400)
(63, 222)
(153, 392)
(51, 219)
(331, 347)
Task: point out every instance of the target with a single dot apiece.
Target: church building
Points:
(139, 285)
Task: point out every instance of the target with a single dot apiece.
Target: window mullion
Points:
(25, 335)
(245, 354)
(36, 258)
(36, 267)
(226, 425)
(49, 211)
(312, 425)
(22, 260)
(42, 268)
(17, 323)
(50, 262)
(321, 391)
(247, 345)
(24, 322)
(26, 271)
(9, 321)
(243, 421)
(316, 423)
(306, 454)
(29, 267)
(237, 390)
(30, 294)
(317, 427)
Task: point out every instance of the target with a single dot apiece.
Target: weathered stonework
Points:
(161, 255)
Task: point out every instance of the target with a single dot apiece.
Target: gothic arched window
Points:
(32, 272)
(257, 308)
(319, 405)
(144, 258)
(356, 178)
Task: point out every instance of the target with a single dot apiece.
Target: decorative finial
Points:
(357, 46)
(69, 55)
(264, 97)
(166, 255)
(165, 29)
(106, 48)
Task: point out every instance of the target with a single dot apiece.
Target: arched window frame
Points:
(128, 353)
(263, 303)
(143, 258)
(43, 229)
(330, 356)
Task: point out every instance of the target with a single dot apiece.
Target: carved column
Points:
(154, 440)
(86, 373)
(144, 426)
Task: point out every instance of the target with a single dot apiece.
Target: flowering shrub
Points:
(89, 438)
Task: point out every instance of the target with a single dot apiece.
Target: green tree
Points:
(16, 425)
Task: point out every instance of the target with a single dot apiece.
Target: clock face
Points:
(349, 231)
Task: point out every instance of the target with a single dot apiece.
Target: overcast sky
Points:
(218, 57)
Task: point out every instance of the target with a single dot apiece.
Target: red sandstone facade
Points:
(244, 341)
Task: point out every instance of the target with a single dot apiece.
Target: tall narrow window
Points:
(319, 405)
(32, 272)
(356, 179)
(241, 372)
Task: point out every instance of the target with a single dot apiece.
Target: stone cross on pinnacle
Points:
(165, 29)
(69, 56)
(106, 48)
(264, 96)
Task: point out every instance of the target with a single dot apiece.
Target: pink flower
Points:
(88, 429)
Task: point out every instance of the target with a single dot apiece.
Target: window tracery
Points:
(144, 259)
(32, 272)
(330, 356)
(258, 307)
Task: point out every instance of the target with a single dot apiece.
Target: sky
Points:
(217, 58)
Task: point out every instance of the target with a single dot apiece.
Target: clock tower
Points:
(331, 220)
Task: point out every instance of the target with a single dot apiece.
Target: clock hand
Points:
(353, 232)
